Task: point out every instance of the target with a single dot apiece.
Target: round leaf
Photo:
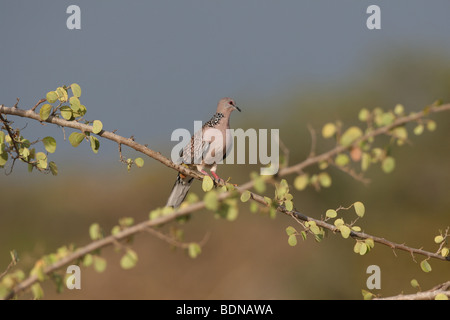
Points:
(301, 182)
(99, 264)
(97, 127)
(388, 164)
(76, 90)
(331, 213)
(207, 183)
(76, 138)
(363, 115)
(438, 239)
(95, 144)
(210, 199)
(49, 144)
(41, 159)
(426, 267)
(342, 160)
(66, 112)
(292, 240)
(194, 250)
(324, 179)
(350, 135)
(359, 208)
(51, 96)
(139, 162)
(45, 111)
(245, 196)
(129, 259)
(345, 231)
(328, 130)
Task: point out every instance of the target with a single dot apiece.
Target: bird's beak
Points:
(237, 108)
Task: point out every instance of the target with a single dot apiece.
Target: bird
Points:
(210, 150)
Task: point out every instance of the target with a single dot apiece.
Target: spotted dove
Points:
(204, 150)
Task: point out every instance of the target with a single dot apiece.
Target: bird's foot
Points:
(217, 179)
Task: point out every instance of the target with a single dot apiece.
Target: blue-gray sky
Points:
(147, 67)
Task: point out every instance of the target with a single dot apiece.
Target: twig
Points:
(425, 295)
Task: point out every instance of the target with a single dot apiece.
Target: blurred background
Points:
(147, 68)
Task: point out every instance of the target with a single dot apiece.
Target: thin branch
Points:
(382, 130)
(425, 295)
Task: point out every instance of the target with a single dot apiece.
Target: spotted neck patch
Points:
(214, 120)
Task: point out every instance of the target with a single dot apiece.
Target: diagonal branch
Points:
(443, 289)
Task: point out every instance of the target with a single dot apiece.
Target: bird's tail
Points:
(179, 191)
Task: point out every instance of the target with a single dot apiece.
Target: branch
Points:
(382, 130)
(443, 288)
(30, 114)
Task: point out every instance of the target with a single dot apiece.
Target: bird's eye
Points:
(231, 102)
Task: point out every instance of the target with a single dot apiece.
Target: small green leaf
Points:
(37, 291)
(367, 295)
(292, 240)
(51, 96)
(441, 296)
(445, 251)
(45, 111)
(88, 260)
(301, 182)
(342, 160)
(324, 179)
(328, 130)
(399, 109)
(66, 112)
(207, 183)
(350, 135)
(290, 230)
(53, 168)
(359, 208)
(95, 144)
(75, 104)
(431, 125)
(211, 201)
(95, 231)
(415, 283)
(438, 239)
(338, 222)
(363, 115)
(49, 144)
(370, 243)
(97, 126)
(245, 196)
(41, 159)
(288, 205)
(76, 138)
(76, 90)
(99, 264)
(426, 267)
(418, 130)
(363, 249)
(139, 162)
(62, 94)
(388, 164)
(365, 161)
(357, 247)
(331, 213)
(345, 231)
(129, 259)
(194, 250)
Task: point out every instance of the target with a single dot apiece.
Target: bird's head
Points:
(227, 105)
